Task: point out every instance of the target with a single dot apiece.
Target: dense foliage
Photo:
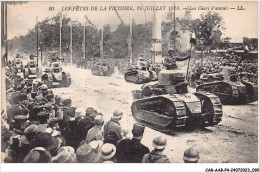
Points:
(115, 42)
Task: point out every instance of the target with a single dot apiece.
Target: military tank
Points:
(102, 69)
(228, 88)
(141, 73)
(54, 76)
(31, 71)
(167, 105)
(137, 76)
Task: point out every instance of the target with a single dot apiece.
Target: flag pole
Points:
(84, 42)
(187, 74)
(71, 43)
(37, 40)
(192, 42)
(60, 37)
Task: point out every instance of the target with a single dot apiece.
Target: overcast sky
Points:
(22, 18)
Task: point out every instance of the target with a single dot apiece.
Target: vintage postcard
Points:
(130, 82)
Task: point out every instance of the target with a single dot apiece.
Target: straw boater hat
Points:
(46, 141)
(67, 149)
(96, 144)
(159, 142)
(108, 151)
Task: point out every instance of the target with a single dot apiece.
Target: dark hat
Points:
(85, 154)
(66, 102)
(47, 106)
(89, 111)
(46, 141)
(49, 97)
(42, 128)
(33, 94)
(170, 51)
(29, 133)
(22, 97)
(69, 111)
(30, 105)
(44, 93)
(61, 139)
(29, 81)
(38, 155)
(138, 129)
(19, 87)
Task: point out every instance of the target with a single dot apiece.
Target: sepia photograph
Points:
(130, 82)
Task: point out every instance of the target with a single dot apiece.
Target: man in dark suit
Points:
(132, 150)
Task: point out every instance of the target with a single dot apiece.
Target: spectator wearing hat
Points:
(46, 141)
(16, 110)
(19, 122)
(191, 155)
(108, 152)
(23, 148)
(86, 154)
(157, 156)
(29, 134)
(69, 126)
(38, 155)
(42, 118)
(67, 149)
(65, 157)
(132, 150)
(95, 132)
(85, 123)
(112, 129)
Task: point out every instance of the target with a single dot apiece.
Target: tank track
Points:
(214, 115)
(157, 117)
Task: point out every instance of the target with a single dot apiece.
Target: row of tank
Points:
(52, 76)
(224, 83)
(167, 105)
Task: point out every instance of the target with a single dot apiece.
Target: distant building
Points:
(176, 33)
(252, 43)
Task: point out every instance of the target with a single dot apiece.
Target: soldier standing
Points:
(112, 130)
(157, 156)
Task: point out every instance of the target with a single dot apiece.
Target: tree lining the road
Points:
(115, 42)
